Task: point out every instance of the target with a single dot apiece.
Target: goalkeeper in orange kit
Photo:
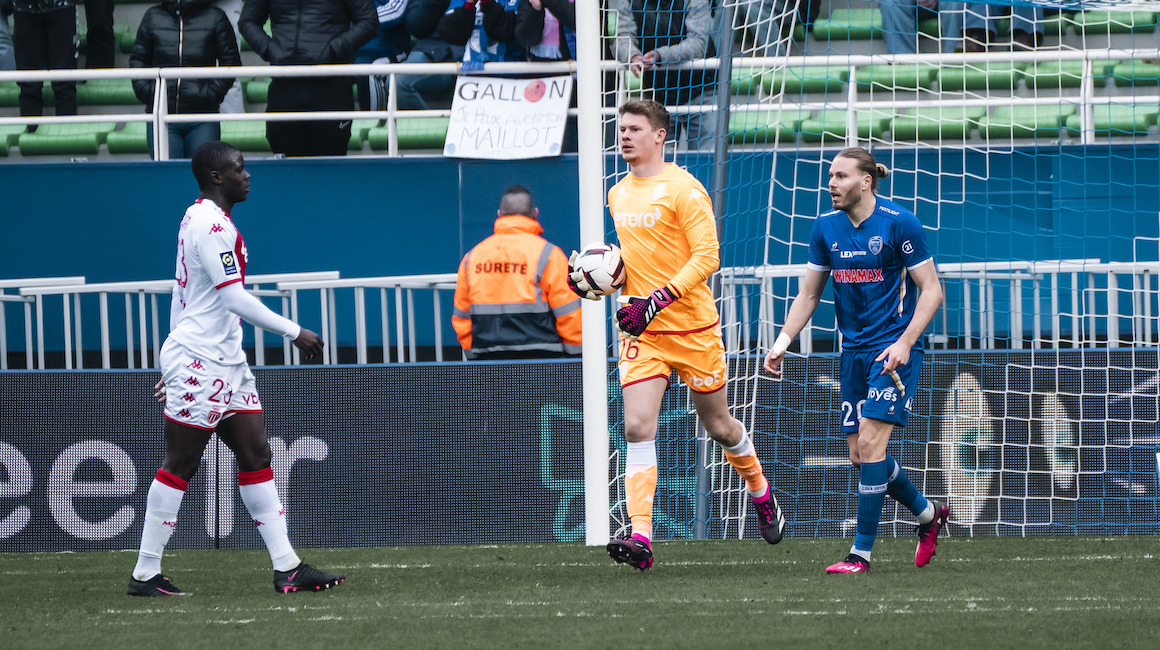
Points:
(668, 239)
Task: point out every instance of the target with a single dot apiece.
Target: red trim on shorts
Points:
(637, 381)
(232, 411)
(186, 424)
(707, 392)
(699, 329)
(228, 282)
(258, 476)
(172, 480)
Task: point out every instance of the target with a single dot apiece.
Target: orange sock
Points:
(640, 485)
(750, 469)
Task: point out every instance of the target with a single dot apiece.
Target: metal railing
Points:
(142, 333)
(988, 305)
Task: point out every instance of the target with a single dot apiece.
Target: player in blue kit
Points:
(876, 252)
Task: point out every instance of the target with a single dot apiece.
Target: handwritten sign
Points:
(508, 119)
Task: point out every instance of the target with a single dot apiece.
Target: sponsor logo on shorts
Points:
(887, 394)
(706, 382)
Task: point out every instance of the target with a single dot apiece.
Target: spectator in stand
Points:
(771, 22)
(101, 42)
(900, 23)
(307, 32)
(547, 30)
(185, 33)
(7, 56)
(487, 29)
(390, 46)
(650, 34)
(978, 24)
(424, 19)
(44, 36)
(512, 299)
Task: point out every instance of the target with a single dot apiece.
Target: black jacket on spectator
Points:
(308, 31)
(529, 24)
(185, 33)
(428, 21)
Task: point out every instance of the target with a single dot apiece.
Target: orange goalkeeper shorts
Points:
(698, 358)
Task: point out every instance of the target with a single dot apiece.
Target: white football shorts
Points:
(201, 393)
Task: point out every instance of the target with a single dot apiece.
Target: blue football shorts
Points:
(866, 392)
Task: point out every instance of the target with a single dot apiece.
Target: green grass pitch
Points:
(1040, 592)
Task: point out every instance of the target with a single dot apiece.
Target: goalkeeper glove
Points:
(635, 316)
(576, 281)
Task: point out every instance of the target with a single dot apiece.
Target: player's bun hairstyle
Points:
(653, 111)
(209, 157)
(866, 165)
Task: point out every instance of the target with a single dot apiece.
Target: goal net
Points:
(1024, 136)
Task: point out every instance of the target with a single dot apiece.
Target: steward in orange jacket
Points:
(512, 299)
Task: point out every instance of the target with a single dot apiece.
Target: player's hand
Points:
(898, 354)
(159, 390)
(576, 281)
(308, 343)
(635, 316)
(777, 354)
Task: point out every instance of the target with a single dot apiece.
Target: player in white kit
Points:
(207, 385)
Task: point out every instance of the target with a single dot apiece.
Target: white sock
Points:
(927, 515)
(161, 508)
(269, 516)
(865, 555)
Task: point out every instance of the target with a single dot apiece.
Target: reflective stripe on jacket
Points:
(512, 294)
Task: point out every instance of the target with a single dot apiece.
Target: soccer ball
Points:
(602, 268)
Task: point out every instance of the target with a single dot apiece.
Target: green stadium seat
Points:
(1041, 121)
(765, 127)
(130, 139)
(118, 30)
(1135, 73)
(849, 25)
(1117, 119)
(829, 126)
(896, 77)
(358, 132)
(255, 90)
(746, 81)
(125, 40)
(810, 79)
(980, 76)
(413, 133)
(246, 46)
(65, 139)
(1114, 22)
(106, 92)
(248, 135)
(9, 136)
(10, 94)
(1064, 74)
(933, 124)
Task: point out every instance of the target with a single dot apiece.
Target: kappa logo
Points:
(196, 365)
(216, 228)
(192, 381)
(183, 413)
(875, 245)
(187, 397)
(171, 524)
(660, 190)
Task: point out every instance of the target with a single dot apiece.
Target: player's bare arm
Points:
(931, 296)
(800, 312)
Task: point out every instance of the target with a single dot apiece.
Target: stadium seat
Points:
(829, 126)
(1130, 74)
(934, 124)
(849, 25)
(246, 135)
(10, 94)
(118, 30)
(1064, 74)
(811, 79)
(1041, 121)
(9, 136)
(130, 139)
(358, 133)
(980, 76)
(413, 133)
(765, 127)
(125, 40)
(1114, 22)
(64, 139)
(746, 81)
(1117, 119)
(895, 77)
(255, 90)
(106, 92)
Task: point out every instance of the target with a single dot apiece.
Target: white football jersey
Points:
(210, 255)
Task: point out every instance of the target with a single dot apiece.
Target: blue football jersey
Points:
(874, 296)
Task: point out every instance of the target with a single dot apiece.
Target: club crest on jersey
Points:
(875, 245)
(229, 263)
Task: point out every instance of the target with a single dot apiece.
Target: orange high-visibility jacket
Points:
(512, 294)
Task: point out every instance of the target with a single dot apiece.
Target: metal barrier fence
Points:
(989, 305)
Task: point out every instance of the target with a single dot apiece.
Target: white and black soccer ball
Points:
(602, 268)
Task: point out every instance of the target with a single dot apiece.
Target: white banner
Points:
(508, 119)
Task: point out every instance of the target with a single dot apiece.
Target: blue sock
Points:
(871, 496)
(902, 490)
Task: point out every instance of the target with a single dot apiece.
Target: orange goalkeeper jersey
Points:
(668, 236)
